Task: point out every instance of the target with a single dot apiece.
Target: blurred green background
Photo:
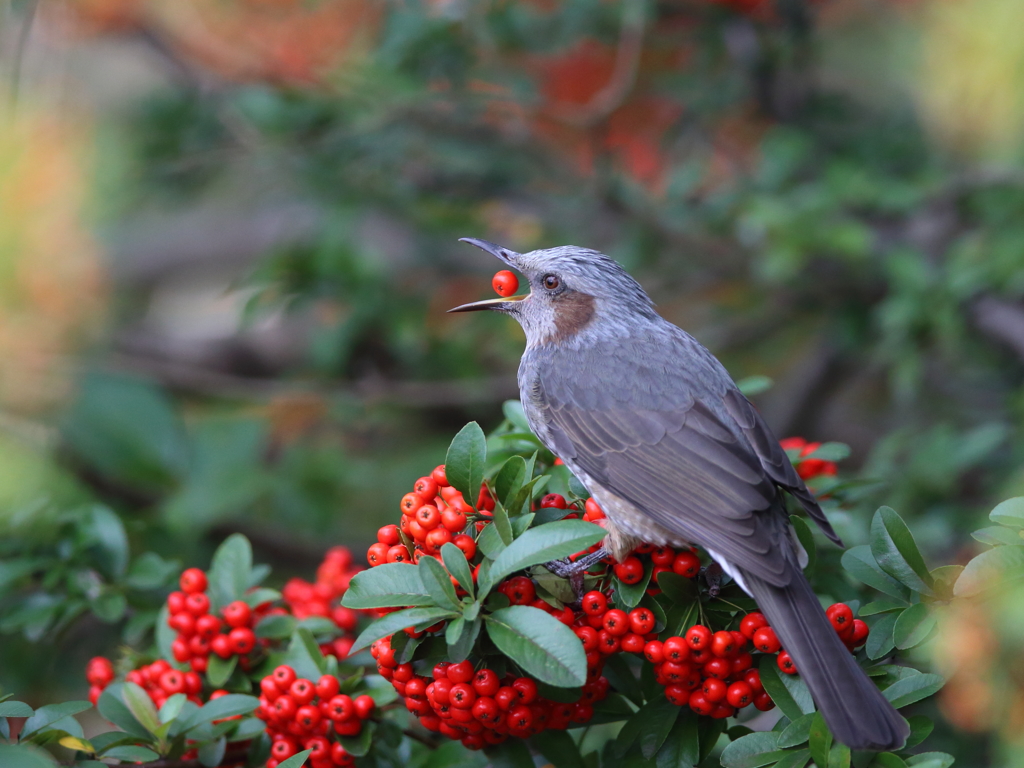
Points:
(228, 235)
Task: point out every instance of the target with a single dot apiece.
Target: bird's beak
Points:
(502, 304)
(507, 256)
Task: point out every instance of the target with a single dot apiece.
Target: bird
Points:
(655, 428)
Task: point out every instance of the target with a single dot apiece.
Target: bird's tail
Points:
(857, 713)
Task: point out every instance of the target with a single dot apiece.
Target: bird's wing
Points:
(649, 422)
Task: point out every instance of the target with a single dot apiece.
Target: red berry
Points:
(753, 678)
(388, 535)
(207, 626)
(588, 636)
(654, 652)
(462, 695)
(198, 604)
(526, 689)
(340, 707)
(426, 488)
(485, 709)
(237, 614)
(641, 620)
(686, 564)
(283, 676)
(505, 283)
(751, 623)
(630, 570)
(740, 694)
(841, 617)
(453, 520)
(461, 672)
(700, 704)
(663, 556)
(192, 581)
(766, 641)
(327, 687)
(595, 603)
(99, 671)
(428, 517)
(763, 701)
(308, 717)
(302, 690)
(520, 718)
(176, 602)
(439, 476)
(616, 622)
(718, 668)
(553, 501)
(520, 590)
(398, 554)
(242, 640)
(467, 545)
(698, 637)
(506, 697)
(593, 510)
(859, 635)
(723, 644)
(677, 694)
(677, 649)
(377, 554)
(364, 706)
(221, 646)
(786, 663)
(486, 682)
(714, 690)
(172, 681)
(632, 643)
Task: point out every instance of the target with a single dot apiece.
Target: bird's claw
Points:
(576, 571)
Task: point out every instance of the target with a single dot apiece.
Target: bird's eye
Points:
(551, 282)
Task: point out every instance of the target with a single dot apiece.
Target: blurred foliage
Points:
(829, 193)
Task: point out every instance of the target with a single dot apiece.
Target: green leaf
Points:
(211, 753)
(296, 760)
(49, 714)
(172, 707)
(752, 751)
(754, 385)
(513, 411)
(502, 524)
(229, 571)
(931, 760)
(628, 596)
(164, 635)
(921, 728)
(452, 754)
(682, 747)
(885, 605)
(321, 627)
(862, 566)
(806, 538)
(540, 644)
(438, 583)
(896, 552)
(794, 759)
(109, 606)
(260, 595)
(996, 535)
(15, 709)
(464, 464)
(360, 744)
(559, 749)
(113, 709)
(103, 534)
(510, 479)
(276, 626)
(132, 754)
(990, 571)
(911, 689)
(678, 589)
(511, 754)
(819, 740)
(839, 756)
(226, 706)
(304, 656)
(462, 639)
(913, 626)
(659, 718)
(150, 571)
(490, 544)
(141, 706)
(457, 565)
(880, 640)
(543, 544)
(419, 618)
(788, 692)
(829, 452)
(248, 728)
(218, 670)
(887, 760)
(797, 732)
(387, 586)
(23, 756)
(1009, 512)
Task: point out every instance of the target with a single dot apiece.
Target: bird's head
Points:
(574, 292)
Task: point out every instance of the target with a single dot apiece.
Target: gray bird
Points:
(656, 429)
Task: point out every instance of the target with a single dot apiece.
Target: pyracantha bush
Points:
(477, 634)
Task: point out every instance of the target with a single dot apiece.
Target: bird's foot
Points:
(713, 577)
(576, 571)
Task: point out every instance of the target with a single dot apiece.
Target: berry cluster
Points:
(480, 708)
(201, 633)
(303, 715)
(159, 679)
(433, 514)
(231, 633)
(808, 468)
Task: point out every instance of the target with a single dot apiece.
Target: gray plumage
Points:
(653, 425)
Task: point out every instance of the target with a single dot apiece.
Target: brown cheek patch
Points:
(572, 313)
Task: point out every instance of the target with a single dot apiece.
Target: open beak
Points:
(501, 304)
